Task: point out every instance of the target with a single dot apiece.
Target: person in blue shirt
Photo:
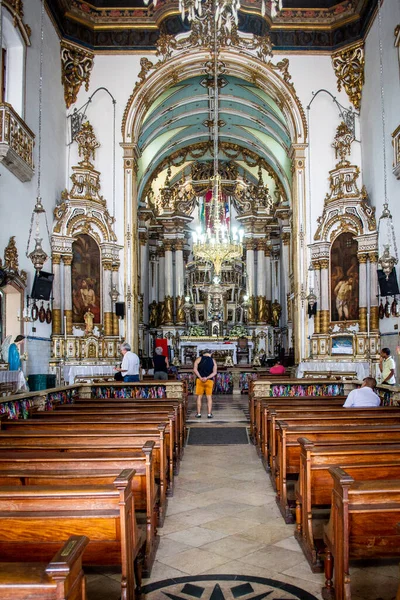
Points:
(14, 358)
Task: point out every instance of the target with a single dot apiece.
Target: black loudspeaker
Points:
(42, 284)
(120, 309)
(388, 287)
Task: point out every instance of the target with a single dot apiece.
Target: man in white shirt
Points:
(363, 396)
(387, 367)
(130, 364)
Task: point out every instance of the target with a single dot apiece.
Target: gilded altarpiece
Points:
(344, 259)
(86, 265)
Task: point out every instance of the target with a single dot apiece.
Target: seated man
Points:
(277, 369)
(363, 396)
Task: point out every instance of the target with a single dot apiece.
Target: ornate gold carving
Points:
(251, 316)
(285, 237)
(67, 260)
(180, 313)
(349, 69)
(87, 144)
(56, 258)
(373, 257)
(76, 66)
(168, 245)
(16, 8)
(261, 310)
(56, 321)
(317, 321)
(153, 315)
(362, 259)
(11, 256)
(324, 263)
(161, 313)
(342, 143)
(168, 310)
(146, 67)
(16, 143)
(324, 318)
(276, 310)
(179, 244)
(115, 325)
(362, 315)
(68, 317)
(108, 323)
(374, 318)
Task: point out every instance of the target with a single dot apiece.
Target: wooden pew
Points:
(364, 523)
(91, 468)
(314, 487)
(305, 401)
(104, 439)
(35, 519)
(288, 454)
(330, 416)
(61, 578)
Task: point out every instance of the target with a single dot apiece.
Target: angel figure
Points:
(4, 348)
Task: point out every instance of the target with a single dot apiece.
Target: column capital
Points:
(168, 245)
(316, 265)
(362, 258)
(373, 257)
(261, 245)
(179, 244)
(285, 237)
(249, 245)
(67, 259)
(56, 258)
(107, 265)
(324, 263)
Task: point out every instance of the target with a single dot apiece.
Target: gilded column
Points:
(144, 274)
(261, 299)
(169, 285)
(324, 314)
(67, 260)
(108, 319)
(250, 281)
(268, 282)
(56, 327)
(373, 278)
(362, 291)
(179, 283)
(317, 283)
(161, 285)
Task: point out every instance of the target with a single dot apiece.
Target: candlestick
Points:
(65, 327)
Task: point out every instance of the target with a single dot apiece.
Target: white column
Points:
(68, 292)
(161, 276)
(285, 270)
(250, 281)
(169, 284)
(56, 328)
(107, 302)
(268, 277)
(179, 269)
(373, 291)
(324, 291)
(144, 276)
(261, 283)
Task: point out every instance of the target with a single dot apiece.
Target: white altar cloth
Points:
(210, 346)
(87, 370)
(361, 368)
(16, 377)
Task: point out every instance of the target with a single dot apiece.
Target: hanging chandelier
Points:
(388, 256)
(38, 256)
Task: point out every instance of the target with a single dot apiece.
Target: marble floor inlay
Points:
(224, 537)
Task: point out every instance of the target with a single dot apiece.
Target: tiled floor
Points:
(223, 519)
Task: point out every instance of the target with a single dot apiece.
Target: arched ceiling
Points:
(251, 123)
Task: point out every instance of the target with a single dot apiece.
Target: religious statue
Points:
(11, 256)
(228, 360)
(153, 314)
(14, 359)
(89, 320)
(215, 303)
(276, 313)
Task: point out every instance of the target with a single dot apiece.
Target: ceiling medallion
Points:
(349, 69)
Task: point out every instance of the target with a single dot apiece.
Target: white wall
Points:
(17, 199)
(371, 128)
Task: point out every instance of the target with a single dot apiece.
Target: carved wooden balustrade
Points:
(16, 144)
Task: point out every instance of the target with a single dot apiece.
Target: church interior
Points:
(204, 176)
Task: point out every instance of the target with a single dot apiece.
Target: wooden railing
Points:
(16, 144)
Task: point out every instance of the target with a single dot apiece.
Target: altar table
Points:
(86, 370)
(228, 346)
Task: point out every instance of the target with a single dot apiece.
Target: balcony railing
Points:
(16, 144)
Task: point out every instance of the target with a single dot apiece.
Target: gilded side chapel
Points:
(198, 175)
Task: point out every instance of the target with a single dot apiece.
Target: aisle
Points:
(223, 520)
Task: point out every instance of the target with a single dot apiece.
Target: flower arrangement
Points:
(239, 331)
(197, 331)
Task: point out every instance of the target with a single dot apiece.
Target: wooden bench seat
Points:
(103, 440)
(364, 524)
(34, 521)
(315, 484)
(288, 453)
(61, 578)
(91, 468)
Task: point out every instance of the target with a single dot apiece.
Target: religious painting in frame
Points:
(85, 278)
(344, 278)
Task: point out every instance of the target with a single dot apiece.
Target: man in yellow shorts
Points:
(205, 369)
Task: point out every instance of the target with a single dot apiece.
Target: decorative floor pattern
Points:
(224, 587)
